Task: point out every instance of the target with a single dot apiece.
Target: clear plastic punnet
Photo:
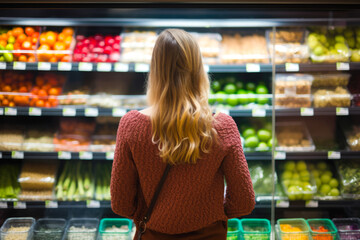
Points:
(293, 229)
(352, 134)
(49, 228)
(293, 136)
(137, 46)
(253, 228)
(331, 97)
(349, 176)
(210, 46)
(82, 229)
(348, 228)
(115, 229)
(17, 229)
(233, 232)
(330, 79)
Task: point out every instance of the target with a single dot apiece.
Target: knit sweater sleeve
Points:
(240, 196)
(124, 177)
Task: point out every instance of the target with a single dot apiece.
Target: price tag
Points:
(69, 112)
(20, 205)
(64, 66)
(0, 154)
(92, 204)
(3, 205)
(121, 67)
(17, 155)
(109, 155)
(19, 66)
(252, 67)
(11, 111)
(2, 65)
(312, 204)
(1, 111)
(307, 112)
(258, 112)
(280, 155)
(44, 66)
(64, 155)
(142, 67)
(342, 111)
(91, 112)
(34, 111)
(206, 68)
(292, 67)
(85, 67)
(282, 204)
(334, 155)
(103, 67)
(118, 112)
(341, 66)
(51, 204)
(86, 155)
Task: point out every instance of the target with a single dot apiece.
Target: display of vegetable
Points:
(349, 171)
(81, 233)
(261, 176)
(103, 176)
(348, 228)
(9, 186)
(257, 233)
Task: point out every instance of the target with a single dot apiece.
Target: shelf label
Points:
(292, 67)
(341, 66)
(118, 112)
(10, 111)
(64, 155)
(92, 204)
(64, 66)
(86, 155)
(282, 204)
(252, 67)
(2, 65)
(342, 111)
(1, 111)
(69, 112)
(44, 66)
(3, 205)
(307, 112)
(51, 204)
(121, 67)
(20, 205)
(103, 67)
(19, 66)
(312, 204)
(206, 68)
(109, 155)
(334, 155)
(142, 67)
(280, 155)
(258, 112)
(34, 111)
(91, 112)
(85, 67)
(17, 155)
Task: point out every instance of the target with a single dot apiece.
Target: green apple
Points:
(328, 173)
(296, 176)
(220, 97)
(287, 175)
(334, 192)
(325, 189)
(242, 99)
(264, 135)
(300, 166)
(262, 146)
(230, 88)
(304, 175)
(325, 179)
(290, 166)
(334, 183)
(249, 132)
(216, 86)
(232, 100)
(318, 182)
(251, 142)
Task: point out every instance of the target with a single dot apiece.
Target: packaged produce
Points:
(353, 137)
(38, 140)
(255, 229)
(261, 176)
(297, 181)
(352, 38)
(293, 229)
(137, 46)
(49, 228)
(331, 97)
(76, 97)
(348, 228)
(103, 176)
(233, 231)
(11, 139)
(82, 229)
(293, 90)
(115, 229)
(293, 136)
(349, 173)
(322, 229)
(17, 229)
(210, 46)
(330, 79)
(257, 135)
(104, 100)
(9, 186)
(240, 49)
(76, 182)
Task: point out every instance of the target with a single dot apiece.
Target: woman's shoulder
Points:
(225, 124)
(133, 120)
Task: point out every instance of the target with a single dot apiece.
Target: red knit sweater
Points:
(193, 195)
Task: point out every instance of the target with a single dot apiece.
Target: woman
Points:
(179, 129)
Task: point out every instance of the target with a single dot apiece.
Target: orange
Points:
(43, 55)
(17, 100)
(7, 88)
(40, 81)
(50, 38)
(35, 90)
(42, 93)
(3, 36)
(17, 31)
(23, 89)
(59, 46)
(34, 100)
(1, 97)
(21, 38)
(5, 102)
(40, 103)
(46, 87)
(47, 104)
(66, 58)
(68, 41)
(25, 100)
(10, 33)
(11, 104)
(68, 31)
(43, 38)
(36, 35)
(53, 59)
(22, 58)
(29, 31)
(61, 37)
(53, 91)
(31, 59)
(34, 40)
(3, 43)
(53, 101)
(26, 45)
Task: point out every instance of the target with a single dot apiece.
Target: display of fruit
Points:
(256, 136)
(46, 90)
(22, 41)
(103, 175)
(53, 46)
(9, 186)
(349, 173)
(98, 48)
(296, 180)
(294, 232)
(352, 37)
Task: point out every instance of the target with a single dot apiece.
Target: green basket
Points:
(303, 234)
(255, 229)
(326, 223)
(118, 223)
(234, 226)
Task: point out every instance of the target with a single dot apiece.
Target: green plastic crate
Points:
(255, 229)
(303, 234)
(326, 223)
(234, 226)
(118, 223)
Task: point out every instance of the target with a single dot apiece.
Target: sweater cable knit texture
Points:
(193, 194)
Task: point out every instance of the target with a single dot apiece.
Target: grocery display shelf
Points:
(318, 155)
(338, 111)
(355, 203)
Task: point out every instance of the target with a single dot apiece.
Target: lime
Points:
(216, 86)
(230, 88)
(232, 100)
(334, 192)
(264, 135)
(334, 183)
(325, 179)
(262, 100)
(249, 132)
(243, 98)
(289, 166)
(325, 189)
(262, 146)
(300, 166)
(8, 57)
(239, 85)
(251, 97)
(220, 97)
(261, 89)
(251, 142)
(250, 86)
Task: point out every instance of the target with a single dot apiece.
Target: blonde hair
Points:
(178, 88)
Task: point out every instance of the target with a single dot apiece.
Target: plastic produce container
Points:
(115, 229)
(137, 46)
(318, 226)
(49, 228)
(233, 229)
(348, 228)
(255, 229)
(352, 134)
(330, 79)
(210, 46)
(17, 229)
(349, 176)
(293, 229)
(332, 97)
(82, 229)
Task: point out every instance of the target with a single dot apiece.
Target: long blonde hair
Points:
(178, 87)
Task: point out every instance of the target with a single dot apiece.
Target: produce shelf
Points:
(317, 155)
